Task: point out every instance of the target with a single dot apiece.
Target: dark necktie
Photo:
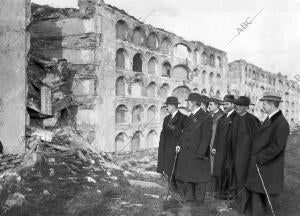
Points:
(266, 120)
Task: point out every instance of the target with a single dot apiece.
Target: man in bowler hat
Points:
(193, 165)
(169, 137)
(267, 157)
(244, 127)
(223, 172)
(216, 113)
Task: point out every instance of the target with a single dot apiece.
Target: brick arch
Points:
(137, 62)
(151, 90)
(121, 30)
(152, 139)
(152, 65)
(180, 71)
(138, 36)
(121, 142)
(166, 45)
(166, 69)
(136, 141)
(182, 93)
(153, 41)
(122, 59)
(164, 91)
(121, 114)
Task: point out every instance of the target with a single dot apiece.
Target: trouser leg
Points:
(190, 191)
(201, 189)
(258, 204)
(180, 187)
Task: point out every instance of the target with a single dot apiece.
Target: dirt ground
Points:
(289, 200)
(68, 186)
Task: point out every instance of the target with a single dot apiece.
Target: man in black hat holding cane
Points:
(223, 172)
(265, 177)
(169, 138)
(193, 166)
(244, 127)
(216, 113)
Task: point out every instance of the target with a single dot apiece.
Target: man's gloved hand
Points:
(213, 151)
(163, 175)
(177, 149)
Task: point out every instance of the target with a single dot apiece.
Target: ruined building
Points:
(251, 80)
(124, 71)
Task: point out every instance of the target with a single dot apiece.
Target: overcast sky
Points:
(272, 41)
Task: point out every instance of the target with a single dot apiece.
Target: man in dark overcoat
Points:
(169, 137)
(267, 157)
(193, 165)
(223, 172)
(244, 127)
(216, 113)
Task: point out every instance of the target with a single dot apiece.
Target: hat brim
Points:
(172, 103)
(270, 99)
(241, 104)
(227, 101)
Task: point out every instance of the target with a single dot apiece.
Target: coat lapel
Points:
(268, 123)
(196, 118)
(175, 119)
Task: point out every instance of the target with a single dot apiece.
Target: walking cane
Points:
(265, 189)
(173, 168)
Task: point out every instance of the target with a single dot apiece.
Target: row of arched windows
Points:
(178, 71)
(136, 88)
(136, 115)
(124, 143)
(139, 38)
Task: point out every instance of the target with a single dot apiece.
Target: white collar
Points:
(196, 110)
(244, 114)
(174, 113)
(273, 113)
(216, 111)
(228, 114)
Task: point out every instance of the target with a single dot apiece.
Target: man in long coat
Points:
(169, 137)
(193, 165)
(216, 113)
(223, 172)
(267, 157)
(243, 128)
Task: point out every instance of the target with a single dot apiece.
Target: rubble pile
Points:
(61, 76)
(10, 161)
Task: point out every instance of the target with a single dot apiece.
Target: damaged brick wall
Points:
(62, 57)
(124, 70)
(151, 64)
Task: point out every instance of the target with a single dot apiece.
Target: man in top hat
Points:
(193, 165)
(268, 155)
(216, 113)
(244, 127)
(169, 137)
(222, 172)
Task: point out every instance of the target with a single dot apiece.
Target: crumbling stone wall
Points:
(251, 80)
(14, 45)
(147, 65)
(126, 68)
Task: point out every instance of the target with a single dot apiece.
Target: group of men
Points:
(222, 146)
